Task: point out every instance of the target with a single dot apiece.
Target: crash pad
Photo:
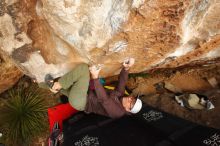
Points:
(150, 127)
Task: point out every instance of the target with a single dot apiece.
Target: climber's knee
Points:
(78, 103)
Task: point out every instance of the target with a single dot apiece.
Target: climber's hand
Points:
(54, 91)
(94, 70)
(128, 63)
(56, 87)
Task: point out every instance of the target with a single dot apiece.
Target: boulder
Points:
(9, 73)
(50, 36)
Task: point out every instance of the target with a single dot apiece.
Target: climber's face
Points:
(128, 102)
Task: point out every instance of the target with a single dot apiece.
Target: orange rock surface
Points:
(9, 73)
(50, 36)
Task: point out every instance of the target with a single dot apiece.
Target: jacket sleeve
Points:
(110, 106)
(122, 80)
(100, 91)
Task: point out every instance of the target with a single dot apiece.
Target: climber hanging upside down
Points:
(90, 96)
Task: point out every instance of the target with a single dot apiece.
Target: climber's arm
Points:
(123, 77)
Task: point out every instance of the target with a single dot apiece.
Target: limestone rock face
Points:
(50, 36)
(9, 73)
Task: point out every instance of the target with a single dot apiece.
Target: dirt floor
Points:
(188, 80)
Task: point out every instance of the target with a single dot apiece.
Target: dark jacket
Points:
(100, 102)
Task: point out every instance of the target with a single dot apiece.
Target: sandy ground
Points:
(193, 80)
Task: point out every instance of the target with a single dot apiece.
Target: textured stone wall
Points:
(50, 36)
(9, 73)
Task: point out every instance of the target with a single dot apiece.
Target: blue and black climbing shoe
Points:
(49, 80)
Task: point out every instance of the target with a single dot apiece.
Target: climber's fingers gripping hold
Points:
(94, 70)
(128, 63)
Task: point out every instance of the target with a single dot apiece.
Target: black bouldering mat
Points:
(150, 127)
(109, 132)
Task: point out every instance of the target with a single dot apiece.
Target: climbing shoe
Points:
(49, 80)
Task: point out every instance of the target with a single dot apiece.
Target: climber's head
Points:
(131, 104)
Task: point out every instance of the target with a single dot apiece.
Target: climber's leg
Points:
(78, 80)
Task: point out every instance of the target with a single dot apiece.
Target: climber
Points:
(90, 96)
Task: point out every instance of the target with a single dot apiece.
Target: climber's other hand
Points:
(94, 70)
(128, 63)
